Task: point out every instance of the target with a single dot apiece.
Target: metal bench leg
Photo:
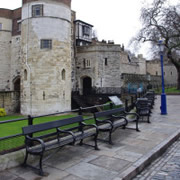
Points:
(81, 142)
(110, 138)
(124, 127)
(148, 119)
(95, 142)
(40, 165)
(137, 128)
(25, 159)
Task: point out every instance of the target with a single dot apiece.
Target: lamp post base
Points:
(163, 104)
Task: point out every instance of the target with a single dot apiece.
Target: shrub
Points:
(2, 112)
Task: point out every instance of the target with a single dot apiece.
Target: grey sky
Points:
(116, 20)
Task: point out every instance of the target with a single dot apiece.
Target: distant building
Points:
(170, 72)
(100, 67)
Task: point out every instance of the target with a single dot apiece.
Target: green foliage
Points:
(2, 112)
(169, 90)
(13, 128)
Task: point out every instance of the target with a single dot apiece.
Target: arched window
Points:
(63, 74)
(25, 75)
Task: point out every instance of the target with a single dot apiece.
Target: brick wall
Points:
(6, 13)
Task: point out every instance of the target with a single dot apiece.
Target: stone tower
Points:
(5, 47)
(46, 56)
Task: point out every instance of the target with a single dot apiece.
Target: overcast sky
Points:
(116, 20)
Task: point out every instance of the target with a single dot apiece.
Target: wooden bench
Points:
(110, 120)
(61, 136)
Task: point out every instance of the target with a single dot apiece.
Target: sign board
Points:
(115, 100)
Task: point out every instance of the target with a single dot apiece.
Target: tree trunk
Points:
(177, 65)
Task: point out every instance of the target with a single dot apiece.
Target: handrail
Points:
(79, 111)
(13, 120)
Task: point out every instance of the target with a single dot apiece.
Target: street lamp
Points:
(163, 95)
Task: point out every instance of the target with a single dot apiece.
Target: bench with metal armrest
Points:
(143, 108)
(110, 120)
(58, 136)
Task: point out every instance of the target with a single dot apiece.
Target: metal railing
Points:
(16, 141)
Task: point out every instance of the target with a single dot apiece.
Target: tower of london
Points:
(47, 55)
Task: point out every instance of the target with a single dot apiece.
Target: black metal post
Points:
(30, 122)
(132, 102)
(80, 111)
(126, 105)
(111, 105)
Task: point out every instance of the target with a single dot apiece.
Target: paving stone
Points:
(54, 174)
(71, 177)
(6, 175)
(129, 154)
(91, 172)
(110, 163)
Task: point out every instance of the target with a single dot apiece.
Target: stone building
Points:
(101, 65)
(46, 54)
(36, 45)
(170, 72)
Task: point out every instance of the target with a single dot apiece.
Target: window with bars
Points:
(46, 44)
(37, 10)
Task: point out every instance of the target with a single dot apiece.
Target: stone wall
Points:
(107, 63)
(5, 49)
(135, 81)
(73, 51)
(15, 65)
(170, 72)
(67, 2)
(104, 67)
(10, 100)
(133, 65)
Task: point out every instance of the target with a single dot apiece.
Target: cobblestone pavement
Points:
(166, 167)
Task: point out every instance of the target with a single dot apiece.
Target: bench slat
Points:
(109, 112)
(50, 125)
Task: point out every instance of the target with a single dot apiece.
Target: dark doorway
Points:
(17, 84)
(87, 85)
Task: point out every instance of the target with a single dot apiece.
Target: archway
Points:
(87, 85)
(17, 83)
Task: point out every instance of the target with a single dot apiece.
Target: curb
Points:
(147, 159)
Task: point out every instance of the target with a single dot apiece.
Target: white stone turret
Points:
(46, 56)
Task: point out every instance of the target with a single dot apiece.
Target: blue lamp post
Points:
(163, 95)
